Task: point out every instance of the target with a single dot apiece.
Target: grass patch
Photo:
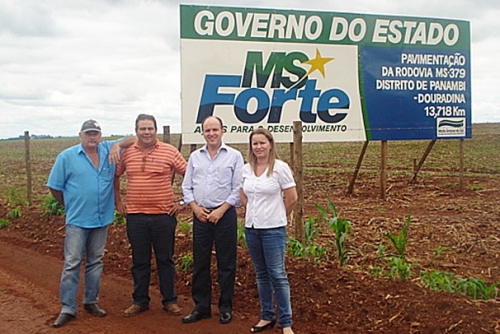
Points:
(4, 223)
(470, 287)
(184, 227)
(15, 213)
(185, 263)
(51, 207)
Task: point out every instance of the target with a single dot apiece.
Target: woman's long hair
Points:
(273, 155)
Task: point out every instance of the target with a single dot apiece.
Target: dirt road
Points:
(29, 285)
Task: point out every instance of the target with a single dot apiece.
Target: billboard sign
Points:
(346, 76)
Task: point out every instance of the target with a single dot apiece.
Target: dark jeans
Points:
(158, 231)
(224, 234)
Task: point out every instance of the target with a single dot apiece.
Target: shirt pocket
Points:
(225, 175)
(107, 173)
(156, 167)
(199, 172)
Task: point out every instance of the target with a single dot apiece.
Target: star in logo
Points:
(317, 63)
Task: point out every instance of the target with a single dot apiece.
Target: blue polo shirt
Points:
(88, 192)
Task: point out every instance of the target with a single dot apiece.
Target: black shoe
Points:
(94, 309)
(257, 329)
(62, 319)
(225, 317)
(195, 316)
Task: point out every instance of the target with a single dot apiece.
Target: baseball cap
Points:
(90, 125)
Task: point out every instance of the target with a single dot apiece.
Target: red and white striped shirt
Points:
(149, 176)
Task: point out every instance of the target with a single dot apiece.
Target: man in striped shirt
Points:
(150, 211)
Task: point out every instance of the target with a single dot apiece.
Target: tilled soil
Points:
(451, 231)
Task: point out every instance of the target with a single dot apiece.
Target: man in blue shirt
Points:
(211, 188)
(82, 181)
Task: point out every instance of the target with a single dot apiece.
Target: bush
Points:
(51, 207)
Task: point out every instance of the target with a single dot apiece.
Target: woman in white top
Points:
(269, 195)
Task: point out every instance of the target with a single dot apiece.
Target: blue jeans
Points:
(79, 242)
(146, 231)
(267, 249)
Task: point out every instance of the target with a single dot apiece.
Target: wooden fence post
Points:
(350, 189)
(383, 170)
(422, 160)
(28, 166)
(461, 175)
(166, 134)
(298, 220)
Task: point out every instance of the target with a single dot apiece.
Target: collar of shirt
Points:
(223, 146)
(137, 146)
(82, 150)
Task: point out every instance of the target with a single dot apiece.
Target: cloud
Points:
(105, 60)
(25, 18)
(66, 61)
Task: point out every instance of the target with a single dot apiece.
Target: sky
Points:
(65, 61)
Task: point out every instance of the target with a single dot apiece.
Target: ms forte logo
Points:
(267, 86)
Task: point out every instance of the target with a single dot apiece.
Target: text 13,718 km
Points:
(446, 111)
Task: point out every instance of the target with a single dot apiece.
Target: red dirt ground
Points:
(326, 298)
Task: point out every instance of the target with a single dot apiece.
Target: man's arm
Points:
(118, 197)
(179, 164)
(234, 197)
(114, 152)
(58, 195)
(187, 182)
(188, 194)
